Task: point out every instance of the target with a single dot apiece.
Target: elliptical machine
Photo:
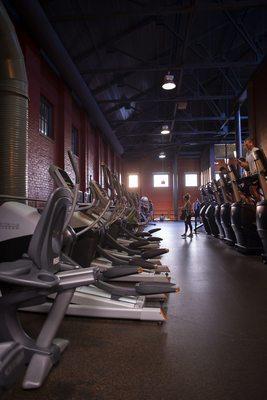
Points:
(210, 211)
(217, 212)
(205, 205)
(225, 210)
(243, 215)
(261, 208)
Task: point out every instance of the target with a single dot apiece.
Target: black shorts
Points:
(187, 219)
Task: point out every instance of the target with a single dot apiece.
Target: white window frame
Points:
(190, 173)
(158, 174)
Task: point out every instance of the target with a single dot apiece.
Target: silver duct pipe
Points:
(13, 111)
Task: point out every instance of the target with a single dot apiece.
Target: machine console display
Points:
(66, 178)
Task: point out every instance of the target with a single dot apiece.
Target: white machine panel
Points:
(16, 220)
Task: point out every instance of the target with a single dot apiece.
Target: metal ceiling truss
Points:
(210, 67)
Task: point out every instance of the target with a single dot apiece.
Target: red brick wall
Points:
(66, 113)
(257, 98)
(42, 151)
(162, 198)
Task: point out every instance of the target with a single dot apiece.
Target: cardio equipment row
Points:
(73, 257)
(234, 208)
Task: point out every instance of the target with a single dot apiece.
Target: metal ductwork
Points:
(13, 111)
(42, 30)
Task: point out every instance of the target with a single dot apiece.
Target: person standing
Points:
(187, 211)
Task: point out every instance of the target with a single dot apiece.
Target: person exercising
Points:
(187, 209)
(244, 165)
(248, 163)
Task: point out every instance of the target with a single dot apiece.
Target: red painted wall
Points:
(42, 151)
(257, 99)
(162, 198)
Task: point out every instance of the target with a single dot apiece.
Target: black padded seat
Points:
(16, 268)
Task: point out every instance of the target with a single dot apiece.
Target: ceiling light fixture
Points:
(168, 82)
(165, 130)
(162, 155)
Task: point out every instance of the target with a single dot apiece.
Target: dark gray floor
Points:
(213, 347)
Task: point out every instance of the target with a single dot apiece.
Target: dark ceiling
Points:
(123, 49)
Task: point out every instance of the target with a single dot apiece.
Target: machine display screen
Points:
(66, 178)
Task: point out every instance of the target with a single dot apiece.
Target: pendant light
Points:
(165, 130)
(168, 82)
(162, 155)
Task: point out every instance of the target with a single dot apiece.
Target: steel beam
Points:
(171, 99)
(193, 134)
(243, 32)
(182, 58)
(175, 186)
(173, 67)
(238, 136)
(113, 39)
(160, 11)
(184, 119)
(120, 77)
(165, 146)
(133, 98)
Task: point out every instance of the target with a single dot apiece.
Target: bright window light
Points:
(160, 180)
(133, 181)
(191, 180)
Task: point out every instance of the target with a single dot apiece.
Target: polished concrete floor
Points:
(213, 347)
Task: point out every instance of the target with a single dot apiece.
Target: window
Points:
(46, 118)
(75, 141)
(160, 180)
(133, 180)
(223, 151)
(191, 180)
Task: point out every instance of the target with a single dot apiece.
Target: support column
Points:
(212, 161)
(175, 187)
(238, 136)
